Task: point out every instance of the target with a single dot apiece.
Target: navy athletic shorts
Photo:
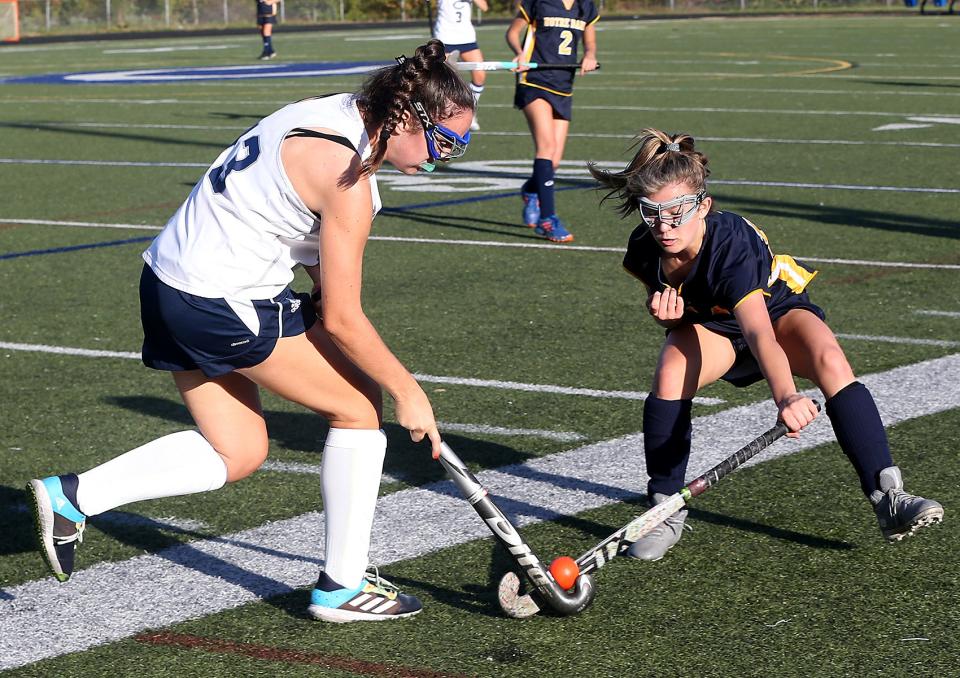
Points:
(746, 369)
(185, 332)
(266, 13)
(562, 106)
(465, 47)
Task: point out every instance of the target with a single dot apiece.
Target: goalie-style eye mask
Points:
(673, 213)
(443, 144)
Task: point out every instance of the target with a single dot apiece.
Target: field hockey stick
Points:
(510, 65)
(618, 542)
(548, 591)
(430, 16)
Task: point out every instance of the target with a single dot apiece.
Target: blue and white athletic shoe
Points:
(531, 209)
(375, 599)
(553, 230)
(59, 522)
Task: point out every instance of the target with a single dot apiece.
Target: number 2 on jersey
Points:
(218, 175)
(566, 37)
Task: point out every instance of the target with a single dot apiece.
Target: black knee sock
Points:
(860, 432)
(666, 443)
(543, 179)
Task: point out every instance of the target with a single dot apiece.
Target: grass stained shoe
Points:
(531, 209)
(654, 546)
(375, 599)
(553, 230)
(901, 514)
(59, 523)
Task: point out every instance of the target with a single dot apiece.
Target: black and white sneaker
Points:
(59, 523)
(901, 514)
(375, 599)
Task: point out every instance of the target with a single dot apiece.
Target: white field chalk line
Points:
(720, 182)
(942, 314)
(591, 135)
(109, 601)
(495, 243)
(428, 378)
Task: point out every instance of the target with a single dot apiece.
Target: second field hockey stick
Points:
(548, 591)
(522, 606)
(430, 16)
(510, 65)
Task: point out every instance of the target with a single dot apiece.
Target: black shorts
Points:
(463, 47)
(266, 13)
(182, 331)
(562, 106)
(746, 370)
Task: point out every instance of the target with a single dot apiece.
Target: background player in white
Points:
(454, 27)
(298, 188)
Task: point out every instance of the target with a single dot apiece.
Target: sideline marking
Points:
(498, 243)
(106, 602)
(943, 314)
(428, 378)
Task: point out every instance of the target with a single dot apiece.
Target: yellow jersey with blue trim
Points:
(243, 228)
(554, 33)
(735, 261)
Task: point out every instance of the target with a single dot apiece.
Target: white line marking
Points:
(495, 243)
(899, 340)
(107, 601)
(429, 378)
(943, 314)
(179, 48)
(560, 436)
(586, 135)
(311, 469)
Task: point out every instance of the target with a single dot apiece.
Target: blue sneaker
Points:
(375, 599)
(553, 230)
(58, 521)
(531, 209)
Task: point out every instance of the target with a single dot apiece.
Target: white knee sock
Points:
(477, 91)
(180, 463)
(349, 481)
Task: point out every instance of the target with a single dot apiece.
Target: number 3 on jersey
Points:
(244, 153)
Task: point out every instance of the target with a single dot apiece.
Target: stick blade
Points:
(511, 602)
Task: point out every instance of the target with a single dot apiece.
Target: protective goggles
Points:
(674, 213)
(443, 144)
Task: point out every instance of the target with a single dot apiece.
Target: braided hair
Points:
(384, 99)
(661, 159)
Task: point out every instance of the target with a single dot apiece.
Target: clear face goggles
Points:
(443, 144)
(673, 213)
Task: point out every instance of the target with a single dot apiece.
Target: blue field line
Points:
(72, 248)
(464, 201)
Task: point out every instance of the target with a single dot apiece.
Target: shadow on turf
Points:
(64, 128)
(915, 223)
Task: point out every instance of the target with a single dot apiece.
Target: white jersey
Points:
(243, 228)
(453, 25)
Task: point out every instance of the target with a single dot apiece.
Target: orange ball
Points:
(565, 572)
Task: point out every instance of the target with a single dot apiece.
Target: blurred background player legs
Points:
(266, 18)
(454, 28)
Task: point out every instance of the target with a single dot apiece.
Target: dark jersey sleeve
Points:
(529, 10)
(638, 262)
(589, 10)
(740, 265)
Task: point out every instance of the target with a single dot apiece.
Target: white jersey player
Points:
(455, 29)
(298, 188)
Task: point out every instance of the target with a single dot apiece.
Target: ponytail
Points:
(660, 160)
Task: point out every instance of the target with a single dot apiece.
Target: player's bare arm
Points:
(796, 411)
(589, 62)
